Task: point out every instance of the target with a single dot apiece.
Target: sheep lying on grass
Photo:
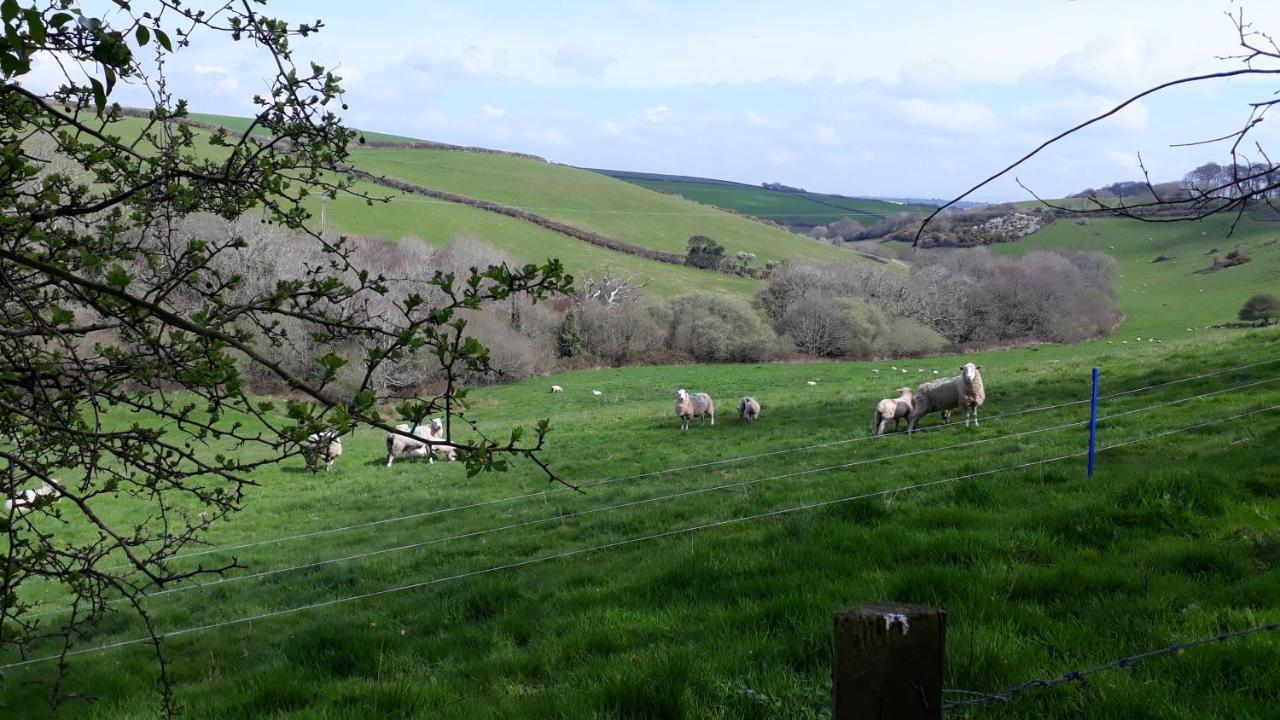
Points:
(943, 396)
(749, 409)
(27, 500)
(892, 409)
(691, 405)
(319, 446)
(421, 444)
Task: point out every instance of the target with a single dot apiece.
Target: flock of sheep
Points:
(941, 396)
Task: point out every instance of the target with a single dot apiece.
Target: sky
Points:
(906, 99)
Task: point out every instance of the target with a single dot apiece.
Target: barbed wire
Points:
(606, 546)
(682, 468)
(1004, 697)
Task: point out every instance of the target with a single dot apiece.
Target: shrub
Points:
(704, 253)
(714, 328)
(1263, 308)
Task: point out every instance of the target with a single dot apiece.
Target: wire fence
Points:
(695, 466)
(1081, 677)
(561, 517)
(803, 507)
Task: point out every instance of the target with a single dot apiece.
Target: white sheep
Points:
(892, 409)
(597, 393)
(810, 383)
(421, 445)
(319, 446)
(749, 409)
(26, 500)
(556, 389)
(945, 395)
(690, 405)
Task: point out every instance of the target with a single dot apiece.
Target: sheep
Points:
(892, 409)
(325, 446)
(690, 405)
(556, 389)
(810, 383)
(597, 393)
(26, 500)
(749, 409)
(421, 444)
(945, 395)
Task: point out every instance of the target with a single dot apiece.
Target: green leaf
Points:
(60, 19)
(35, 25)
(163, 39)
(9, 10)
(99, 95)
(116, 276)
(142, 35)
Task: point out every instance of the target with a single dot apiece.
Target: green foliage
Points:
(713, 328)
(1262, 308)
(568, 342)
(704, 253)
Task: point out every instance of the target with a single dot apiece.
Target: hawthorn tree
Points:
(1262, 308)
(126, 425)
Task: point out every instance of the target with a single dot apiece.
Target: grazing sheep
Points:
(319, 446)
(556, 389)
(421, 444)
(690, 405)
(749, 409)
(597, 393)
(810, 383)
(892, 409)
(945, 395)
(26, 500)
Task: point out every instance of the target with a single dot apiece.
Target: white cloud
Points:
(755, 119)
(1111, 63)
(609, 127)
(583, 58)
(963, 117)
(781, 156)
(226, 82)
(489, 111)
(658, 114)
(439, 66)
(826, 135)
(1072, 109)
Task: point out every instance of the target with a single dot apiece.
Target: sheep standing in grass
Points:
(556, 389)
(27, 500)
(943, 396)
(421, 444)
(690, 405)
(892, 409)
(749, 409)
(319, 446)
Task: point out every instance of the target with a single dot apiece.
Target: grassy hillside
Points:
(795, 210)
(1167, 297)
(591, 201)
(1040, 569)
(438, 223)
(240, 123)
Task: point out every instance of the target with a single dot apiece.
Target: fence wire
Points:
(1081, 677)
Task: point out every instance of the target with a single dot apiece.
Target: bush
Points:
(704, 253)
(1263, 308)
(714, 328)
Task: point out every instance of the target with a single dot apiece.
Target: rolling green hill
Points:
(1167, 297)
(799, 211)
(593, 202)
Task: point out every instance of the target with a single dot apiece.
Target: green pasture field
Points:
(439, 223)
(1040, 569)
(594, 202)
(1164, 299)
(233, 122)
(795, 210)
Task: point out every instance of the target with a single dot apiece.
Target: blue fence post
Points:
(1093, 419)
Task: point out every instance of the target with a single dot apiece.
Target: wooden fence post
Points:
(888, 663)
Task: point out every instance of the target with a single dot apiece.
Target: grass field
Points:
(799, 211)
(587, 200)
(1165, 298)
(240, 123)
(1040, 569)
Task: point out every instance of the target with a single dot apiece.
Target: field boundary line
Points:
(618, 543)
